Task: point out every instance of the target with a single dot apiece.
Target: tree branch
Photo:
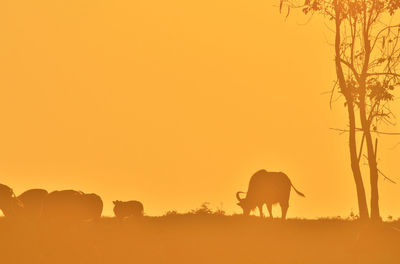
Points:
(351, 67)
(360, 130)
(386, 177)
(383, 73)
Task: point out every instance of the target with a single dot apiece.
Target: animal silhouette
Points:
(92, 206)
(63, 204)
(267, 188)
(128, 208)
(6, 191)
(71, 205)
(10, 205)
(32, 201)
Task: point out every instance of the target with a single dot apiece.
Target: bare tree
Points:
(367, 56)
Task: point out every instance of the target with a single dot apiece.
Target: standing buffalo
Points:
(129, 208)
(70, 205)
(267, 188)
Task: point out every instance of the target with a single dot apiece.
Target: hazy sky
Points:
(174, 103)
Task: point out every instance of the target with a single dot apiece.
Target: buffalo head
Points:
(244, 204)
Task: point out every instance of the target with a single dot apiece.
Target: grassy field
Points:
(195, 238)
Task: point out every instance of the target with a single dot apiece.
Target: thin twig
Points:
(386, 177)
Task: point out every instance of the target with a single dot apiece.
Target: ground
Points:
(193, 238)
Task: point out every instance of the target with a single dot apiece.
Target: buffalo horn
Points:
(238, 196)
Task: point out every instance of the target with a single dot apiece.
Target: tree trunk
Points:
(355, 164)
(366, 126)
(373, 167)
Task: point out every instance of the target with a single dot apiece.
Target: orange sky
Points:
(174, 103)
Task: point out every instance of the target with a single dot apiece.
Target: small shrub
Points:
(205, 209)
(171, 213)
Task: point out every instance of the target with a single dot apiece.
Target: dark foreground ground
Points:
(200, 239)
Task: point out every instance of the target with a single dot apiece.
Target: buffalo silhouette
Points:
(267, 188)
(65, 205)
(9, 203)
(71, 205)
(92, 206)
(128, 208)
(6, 191)
(27, 205)
(32, 202)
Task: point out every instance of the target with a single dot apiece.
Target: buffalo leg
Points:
(269, 206)
(261, 210)
(284, 208)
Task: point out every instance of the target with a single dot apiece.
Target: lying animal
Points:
(267, 188)
(129, 208)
